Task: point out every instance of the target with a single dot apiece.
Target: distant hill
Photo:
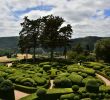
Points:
(11, 42)
(8, 42)
(90, 40)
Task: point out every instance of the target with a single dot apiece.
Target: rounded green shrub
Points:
(40, 81)
(92, 86)
(76, 79)
(62, 82)
(67, 96)
(75, 88)
(1, 79)
(76, 97)
(28, 82)
(46, 67)
(7, 90)
(41, 92)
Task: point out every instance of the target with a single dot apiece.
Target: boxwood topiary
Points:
(62, 82)
(46, 67)
(92, 86)
(75, 88)
(67, 96)
(28, 82)
(41, 93)
(7, 90)
(76, 79)
(1, 79)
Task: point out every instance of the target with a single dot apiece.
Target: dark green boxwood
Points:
(62, 82)
(92, 86)
(46, 67)
(1, 79)
(7, 90)
(28, 82)
(67, 96)
(41, 93)
(76, 79)
(75, 88)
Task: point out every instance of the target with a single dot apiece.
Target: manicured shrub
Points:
(76, 97)
(85, 80)
(84, 75)
(7, 90)
(62, 82)
(28, 82)
(75, 88)
(44, 63)
(40, 81)
(41, 93)
(25, 88)
(1, 79)
(46, 67)
(76, 79)
(93, 96)
(67, 96)
(92, 86)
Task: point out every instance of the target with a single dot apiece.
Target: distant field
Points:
(19, 57)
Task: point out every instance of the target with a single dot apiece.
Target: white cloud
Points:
(79, 13)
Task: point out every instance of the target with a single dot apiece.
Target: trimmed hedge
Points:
(76, 79)
(67, 96)
(92, 86)
(62, 82)
(7, 90)
(25, 88)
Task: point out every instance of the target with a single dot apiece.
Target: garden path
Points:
(106, 81)
(51, 84)
(19, 94)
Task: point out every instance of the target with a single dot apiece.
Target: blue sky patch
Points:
(41, 8)
(107, 12)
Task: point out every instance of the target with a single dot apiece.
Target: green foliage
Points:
(104, 88)
(7, 90)
(102, 48)
(92, 86)
(62, 82)
(76, 79)
(46, 67)
(71, 55)
(25, 88)
(28, 82)
(1, 79)
(67, 96)
(75, 88)
(41, 92)
(40, 80)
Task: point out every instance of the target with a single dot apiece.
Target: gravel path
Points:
(106, 81)
(19, 94)
(51, 84)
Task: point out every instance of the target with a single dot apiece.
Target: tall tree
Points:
(65, 33)
(50, 35)
(31, 32)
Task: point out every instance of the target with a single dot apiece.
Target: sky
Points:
(87, 17)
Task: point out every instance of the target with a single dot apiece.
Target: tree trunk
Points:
(34, 53)
(65, 51)
(51, 54)
(26, 55)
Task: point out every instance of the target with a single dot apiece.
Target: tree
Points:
(50, 36)
(78, 48)
(29, 35)
(102, 49)
(65, 33)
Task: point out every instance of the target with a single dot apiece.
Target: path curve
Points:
(106, 81)
(51, 84)
(19, 94)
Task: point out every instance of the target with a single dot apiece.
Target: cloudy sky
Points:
(87, 17)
